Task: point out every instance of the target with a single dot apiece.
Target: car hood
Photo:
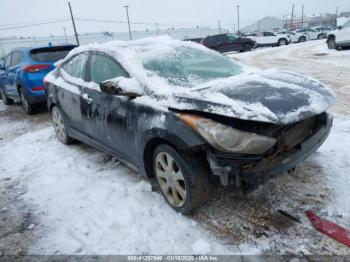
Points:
(269, 96)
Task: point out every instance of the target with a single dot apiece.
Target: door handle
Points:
(86, 98)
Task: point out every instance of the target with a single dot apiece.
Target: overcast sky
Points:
(168, 13)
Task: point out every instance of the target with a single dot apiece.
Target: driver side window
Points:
(103, 68)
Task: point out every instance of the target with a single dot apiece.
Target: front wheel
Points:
(60, 126)
(302, 39)
(282, 42)
(247, 47)
(27, 107)
(321, 36)
(331, 43)
(5, 99)
(184, 181)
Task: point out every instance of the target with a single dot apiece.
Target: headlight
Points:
(228, 139)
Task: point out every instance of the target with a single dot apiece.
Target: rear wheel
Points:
(184, 181)
(27, 107)
(282, 42)
(302, 39)
(331, 43)
(247, 47)
(321, 36)
(5, 99)
(60, 126)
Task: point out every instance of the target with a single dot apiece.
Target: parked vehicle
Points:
(23, 72)
(228, 43)
(269, 39)
(340, 38)
(324, 30)
(295, 37)
(186, 115)
(313, 34)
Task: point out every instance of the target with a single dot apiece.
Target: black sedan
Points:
(186, 115)
(228, 43)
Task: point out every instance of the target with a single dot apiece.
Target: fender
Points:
(173, 132)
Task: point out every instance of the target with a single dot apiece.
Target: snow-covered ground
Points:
(81, 201)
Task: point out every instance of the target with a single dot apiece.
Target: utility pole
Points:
(336, 12)
(65, 34)
(219, 27)
(233, 19)
(157, 28)
(75, 29)
(291, 19)
(302, 16)
(127, 16)
(237, 18)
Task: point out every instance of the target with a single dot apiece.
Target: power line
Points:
(32, 25)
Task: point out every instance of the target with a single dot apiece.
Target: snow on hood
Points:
(270, 96)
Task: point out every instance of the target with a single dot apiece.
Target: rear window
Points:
(52, 54)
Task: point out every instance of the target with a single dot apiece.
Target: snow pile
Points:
(335, 159)
(88, 205)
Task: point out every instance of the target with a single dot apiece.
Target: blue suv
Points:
(22, 72)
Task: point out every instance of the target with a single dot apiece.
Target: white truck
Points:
(339, 38)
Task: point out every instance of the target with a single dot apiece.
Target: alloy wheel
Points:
(171, 179)
(58, 124)
(24, 101)
(331, 44)
(283, 42)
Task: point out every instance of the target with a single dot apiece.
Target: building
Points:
(268, 23)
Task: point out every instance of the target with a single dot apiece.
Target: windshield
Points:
(189, 66)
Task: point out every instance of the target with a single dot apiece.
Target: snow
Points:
(201, 247)
(162, 94)
(89, 206)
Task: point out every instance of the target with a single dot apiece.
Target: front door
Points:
(106, 115)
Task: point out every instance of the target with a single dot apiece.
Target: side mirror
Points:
(113, 87)
(339, 27)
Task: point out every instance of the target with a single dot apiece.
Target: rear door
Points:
(69, 93)
(233, 43)
(106, 115)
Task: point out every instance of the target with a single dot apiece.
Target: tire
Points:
(27, 107)
(60, 126)
(183, 180)
(321, 36)
(302, 39)
(247, 47)
(7, 101)
(282, 42)
(331, 43)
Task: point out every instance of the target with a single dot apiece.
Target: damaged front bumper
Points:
(248, 172)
